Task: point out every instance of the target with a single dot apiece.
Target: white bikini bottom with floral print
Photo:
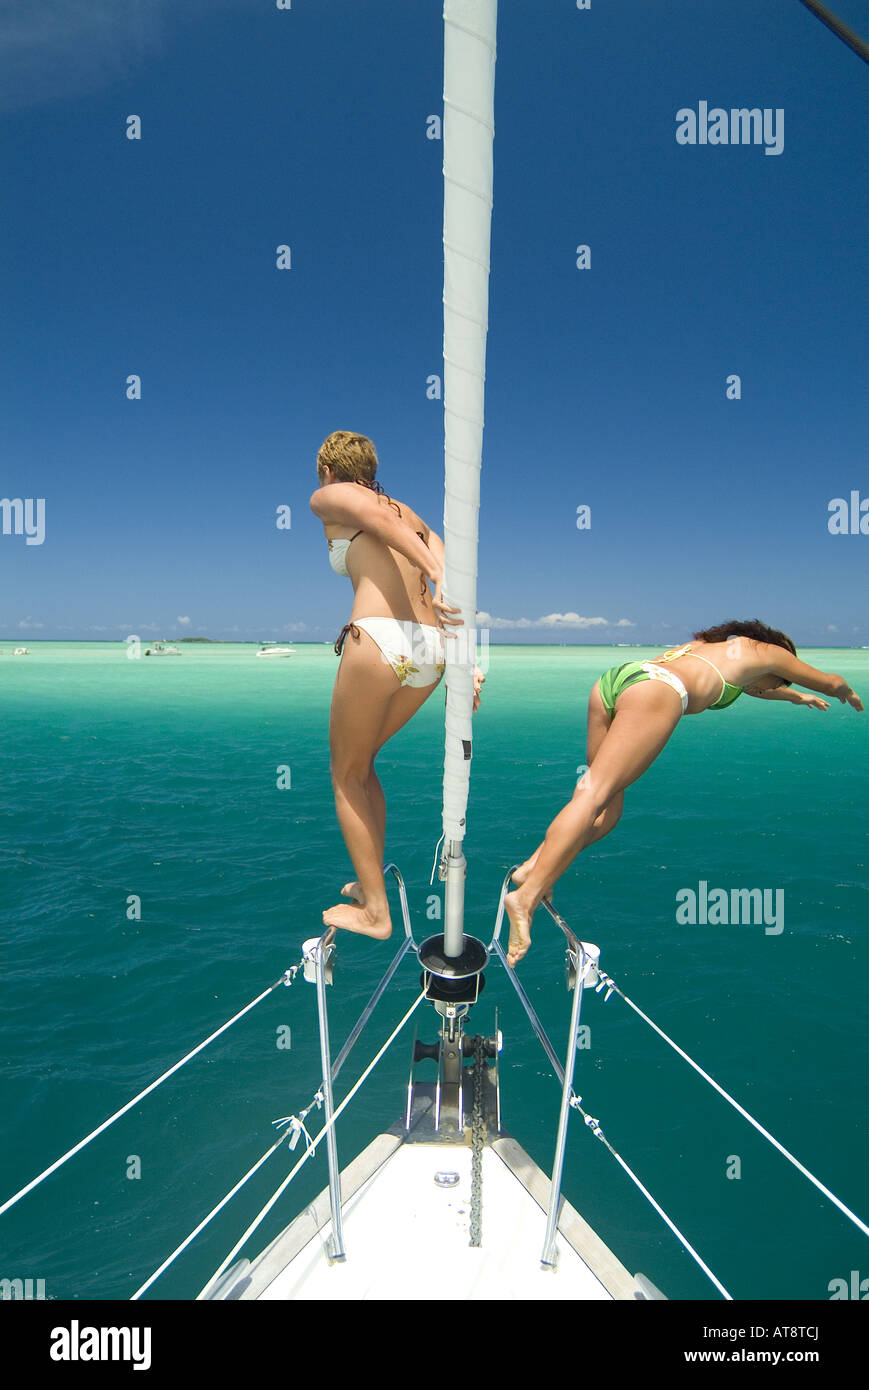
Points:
(415, 651)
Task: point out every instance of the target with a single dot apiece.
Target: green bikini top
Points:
(728, 695)
(729, 692)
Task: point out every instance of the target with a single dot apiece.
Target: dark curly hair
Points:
(755, 629)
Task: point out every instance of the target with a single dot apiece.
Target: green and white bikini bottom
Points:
(618, 678)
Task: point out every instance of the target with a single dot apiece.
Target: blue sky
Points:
(605, 387)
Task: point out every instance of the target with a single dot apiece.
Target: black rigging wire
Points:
(854, 41)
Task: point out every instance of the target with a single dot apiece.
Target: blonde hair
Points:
(351, 457)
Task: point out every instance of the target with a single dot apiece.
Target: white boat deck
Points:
(407, 1238)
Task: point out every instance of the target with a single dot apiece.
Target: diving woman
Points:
(632, 711)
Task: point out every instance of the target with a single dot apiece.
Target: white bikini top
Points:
(338, 555)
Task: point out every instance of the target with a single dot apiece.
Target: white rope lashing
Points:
(310, 1149)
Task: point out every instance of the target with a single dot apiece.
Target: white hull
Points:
(406, 1237)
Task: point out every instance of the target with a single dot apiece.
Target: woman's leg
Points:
(360, 724)
(645, 716)
(377, 803)
(598, 722)
(403, 705)
(364, 687)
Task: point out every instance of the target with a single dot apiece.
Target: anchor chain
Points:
(478, 1131)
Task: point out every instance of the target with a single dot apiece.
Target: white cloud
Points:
(50, 49)
(54, 49)
(183, 622)
(550, 620)
(28, 622)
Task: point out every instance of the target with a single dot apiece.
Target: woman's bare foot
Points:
(359, 918)
(353, 890)
(520, 874)
(520, 915)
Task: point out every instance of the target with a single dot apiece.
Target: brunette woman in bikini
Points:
(392, 653)
(632, 711)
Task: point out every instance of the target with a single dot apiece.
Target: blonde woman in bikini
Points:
(632, 711)
(392, 653)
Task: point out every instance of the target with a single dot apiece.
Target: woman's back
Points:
(706, 670)
(386, 583)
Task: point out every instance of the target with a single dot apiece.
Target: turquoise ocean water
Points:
(158, 778)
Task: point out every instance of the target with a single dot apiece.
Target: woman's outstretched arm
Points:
(787, 696)
(780, 662)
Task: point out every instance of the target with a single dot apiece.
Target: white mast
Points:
(468, 132)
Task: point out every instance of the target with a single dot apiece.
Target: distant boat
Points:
(272, 649)
(163, 649)
(20, 651)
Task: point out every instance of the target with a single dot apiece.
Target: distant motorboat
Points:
(20, 651)
(272, 649)
(163, 649)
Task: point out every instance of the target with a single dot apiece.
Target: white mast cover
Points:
(468, 132)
